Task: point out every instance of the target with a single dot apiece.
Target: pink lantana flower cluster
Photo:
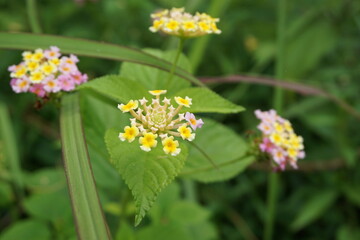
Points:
(45, 71)
(279, 139)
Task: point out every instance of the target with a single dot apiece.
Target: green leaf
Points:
(348, 233)
(125, 232)
(205, 100)
(46, 180)
(322, 39)
(117, 88)
(226, 149)
(152, 78)
(314, 208)
(158, 232)
(52, 206)
(10, 150)
(87, 210)
(188, 213)
(6, 195)
(89, 48)
(95, 111)
(27, 229)
(146, 173)
(352, 193)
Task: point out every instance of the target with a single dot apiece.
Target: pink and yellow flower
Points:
(279, 139)
(45, 71)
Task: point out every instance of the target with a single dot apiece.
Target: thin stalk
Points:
(176, 59)
(273, 181)
(33, 16)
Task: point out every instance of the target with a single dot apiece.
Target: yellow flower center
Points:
(189, 25)
(172, 25)
(193, 121)
(204, 26)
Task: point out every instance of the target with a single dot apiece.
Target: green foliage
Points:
(205, 100)
(153, 79)
(314, 208)
(27, 229)
(117, 88)
(86, 206)
(146, 173)
(106, 116)
(225, 154)
(50, 206)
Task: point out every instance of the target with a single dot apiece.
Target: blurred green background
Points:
(319, 201)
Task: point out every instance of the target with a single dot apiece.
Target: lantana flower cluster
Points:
(159, 119)
(279, 139)
(45, 71)
(179, 23)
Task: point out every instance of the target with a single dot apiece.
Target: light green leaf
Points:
(117, 88)
(152, 78)
(314, 208)
(125, 232)
(89, 48)
(205, 100)
(95, 111)
(146, 173)
(46, 180)
(159, 232)
(226, 149)
(10, 150)
(188, 213)
(87, 210)
(51, 206)
(27, 229)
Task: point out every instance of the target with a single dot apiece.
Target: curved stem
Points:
(176, 59)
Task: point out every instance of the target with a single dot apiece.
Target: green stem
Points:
(176, 59)
(273, 181)
(33, 16)
(272, 196)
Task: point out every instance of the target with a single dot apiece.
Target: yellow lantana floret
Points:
(19, 73)
(48, 68)
(276, 138)
(38, 55)
(148, 141)
(32, 66)
(157, 25)
(172, 26)
(183, 101)
(131, 105)
(171, 146)
(129, 133)
(189, 26)
(27, 56)
(186, 133)
(55, 61)
(157, 92)
(36, 77)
